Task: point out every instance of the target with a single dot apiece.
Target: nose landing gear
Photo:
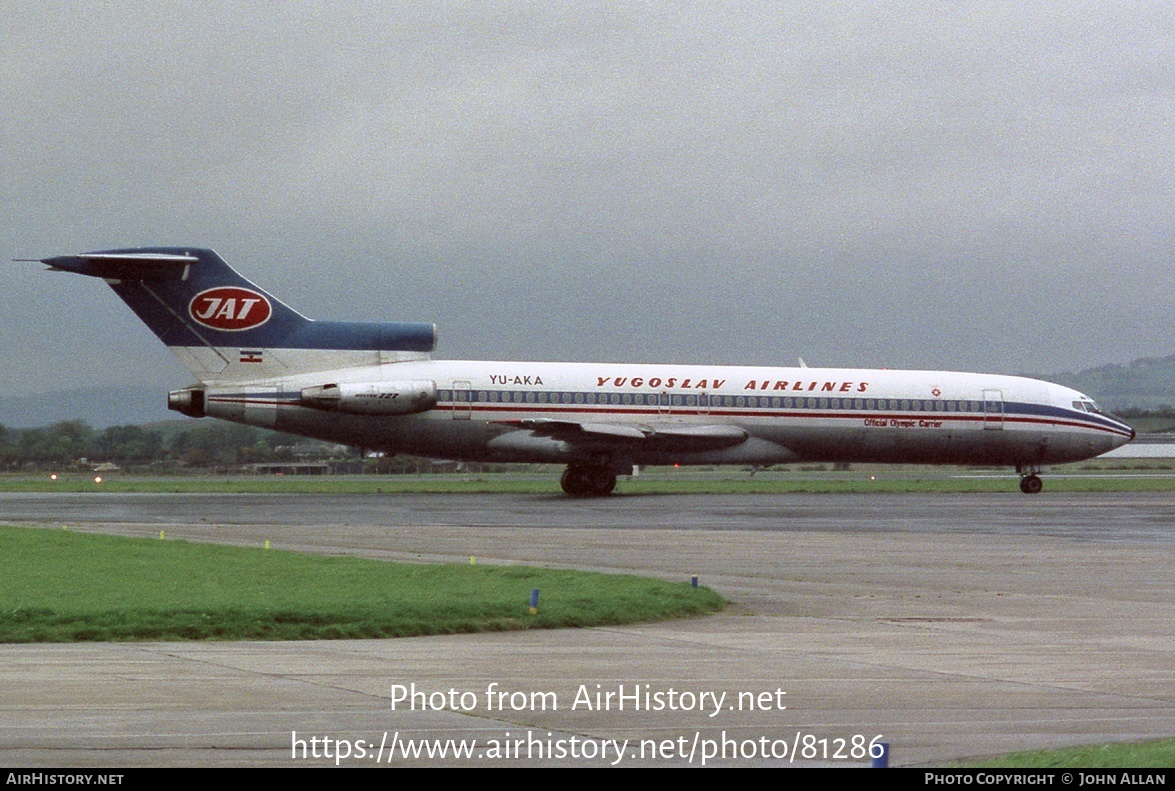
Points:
(1030, 482)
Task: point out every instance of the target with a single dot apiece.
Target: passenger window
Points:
(530, 398)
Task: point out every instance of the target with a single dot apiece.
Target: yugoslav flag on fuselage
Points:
(194, 301)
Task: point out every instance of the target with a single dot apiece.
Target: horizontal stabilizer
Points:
(124, 265)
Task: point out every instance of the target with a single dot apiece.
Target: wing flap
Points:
(655, 436)
(679, 437)
(570, 430)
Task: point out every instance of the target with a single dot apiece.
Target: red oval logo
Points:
(230, 308)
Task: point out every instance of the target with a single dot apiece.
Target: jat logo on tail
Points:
(230, 308)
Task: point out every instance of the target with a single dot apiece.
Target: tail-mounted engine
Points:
(188, 402)
(373, 398)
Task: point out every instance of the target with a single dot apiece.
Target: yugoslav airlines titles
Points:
(674, 383)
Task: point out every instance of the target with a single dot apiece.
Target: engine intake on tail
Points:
(189, 402)
(373, 398)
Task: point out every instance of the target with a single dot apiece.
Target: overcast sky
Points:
(976, 186)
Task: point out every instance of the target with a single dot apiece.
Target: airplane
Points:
(374, 385)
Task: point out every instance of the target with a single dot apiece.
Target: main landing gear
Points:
(581, 480)
(1030, 482)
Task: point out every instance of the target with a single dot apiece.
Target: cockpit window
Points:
(1090, 406)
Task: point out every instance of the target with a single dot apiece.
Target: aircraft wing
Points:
(658, 436)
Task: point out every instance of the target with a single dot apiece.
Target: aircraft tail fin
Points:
(224, 328)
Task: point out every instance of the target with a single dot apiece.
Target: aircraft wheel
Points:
(578, 481)
(603, 481)
(574, 482)
(1031, 484)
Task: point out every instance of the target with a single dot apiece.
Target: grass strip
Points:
(63, 586)
(1159, 754)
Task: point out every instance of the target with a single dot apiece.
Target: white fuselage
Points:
(507, 411)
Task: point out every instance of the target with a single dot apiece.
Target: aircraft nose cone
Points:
(1128, 427)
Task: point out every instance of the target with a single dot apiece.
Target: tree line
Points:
(74, 443)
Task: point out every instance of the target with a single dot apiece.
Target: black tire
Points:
(1031, 484)
(603, 481)
(578, 481)
(575, 482)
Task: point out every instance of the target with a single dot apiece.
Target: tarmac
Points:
(947, 626)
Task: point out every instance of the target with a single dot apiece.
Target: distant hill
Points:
(99, 406)
(1148, 383)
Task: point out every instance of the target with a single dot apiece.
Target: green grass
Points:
(499, 483)
(1152, 425)
(63, 586)
(1135, 476)
(1137, 755)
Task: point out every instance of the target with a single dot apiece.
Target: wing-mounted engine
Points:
(373, 398)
